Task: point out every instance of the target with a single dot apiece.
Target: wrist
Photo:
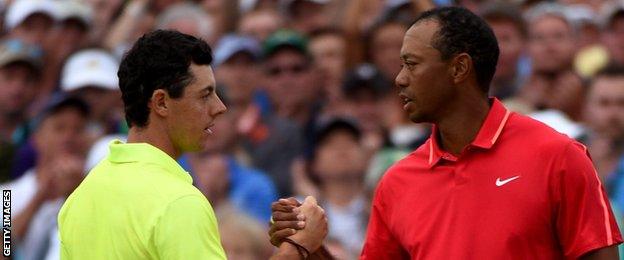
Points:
(288, 251)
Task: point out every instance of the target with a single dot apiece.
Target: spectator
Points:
(553, 83)
(385, 47)
(366, 90)
(31, 20)
(91, 74)
(508, 26)
(223, 177)
(260, 23)
(264, 135)
(613, 31)
(604, 114)
(20, 70)
(290, 77)
(187, 18)
(328, 47)
(306, 15)
(40, 192)
(339, 163)
(236, 58)
(241, 236)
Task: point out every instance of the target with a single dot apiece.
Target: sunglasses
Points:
(279, 70)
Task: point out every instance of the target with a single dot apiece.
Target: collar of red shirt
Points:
(486, 137)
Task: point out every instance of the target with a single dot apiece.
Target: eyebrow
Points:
(408, 55)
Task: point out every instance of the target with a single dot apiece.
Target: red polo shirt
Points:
(520, 190)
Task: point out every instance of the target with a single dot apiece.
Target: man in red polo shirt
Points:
(489, 183)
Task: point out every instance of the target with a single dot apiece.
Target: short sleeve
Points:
(188, 230)
(380, 243)
(584, 219)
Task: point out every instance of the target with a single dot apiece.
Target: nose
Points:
(219, 108)
(401, 79)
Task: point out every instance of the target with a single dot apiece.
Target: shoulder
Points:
(521, 129)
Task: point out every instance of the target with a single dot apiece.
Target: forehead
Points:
(612, 85)
(203, 75)
(418, 39)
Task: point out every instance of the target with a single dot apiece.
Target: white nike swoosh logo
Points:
(500, 182)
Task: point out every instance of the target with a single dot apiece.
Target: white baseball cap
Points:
(75, 9)
(92, 67)
(19, 10)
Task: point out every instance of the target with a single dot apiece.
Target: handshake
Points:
(298, 229)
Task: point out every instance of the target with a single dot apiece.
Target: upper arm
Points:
(380, 243)
(584, 219)
(188, 230)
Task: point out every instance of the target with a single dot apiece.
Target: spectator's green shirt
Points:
(138, 203)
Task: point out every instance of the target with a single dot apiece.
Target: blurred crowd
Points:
(309, 86)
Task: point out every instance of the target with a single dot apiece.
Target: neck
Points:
(341, 193)
(460, 126)
(154, 136)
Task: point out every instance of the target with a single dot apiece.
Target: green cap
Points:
(285, 38)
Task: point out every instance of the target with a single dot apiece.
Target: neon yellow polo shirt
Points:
(138, 203)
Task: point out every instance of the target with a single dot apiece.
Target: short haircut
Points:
(612, 70)
(158, 60)
(461, 31)
(504, 12)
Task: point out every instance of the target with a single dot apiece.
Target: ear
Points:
(461, 68)
(158, 102)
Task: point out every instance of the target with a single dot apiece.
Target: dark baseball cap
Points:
(285, 38)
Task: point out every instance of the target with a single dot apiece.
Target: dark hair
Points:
(461, 31)
(504, 12)
(158, 60)
(325, 31)
(612, 70)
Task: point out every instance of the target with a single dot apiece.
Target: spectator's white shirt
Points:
(36, 242)
(347, 224)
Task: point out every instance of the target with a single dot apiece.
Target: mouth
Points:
(208, 129)
(405, 99)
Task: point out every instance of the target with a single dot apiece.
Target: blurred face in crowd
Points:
(308, 16)
(551, 44)
(339, 157)
(68, 37)
(329, 55)
(424, 82)
(62, 132)
(224, 134)
(19, 88)
(511, 44)
(605, 107)
(289, 78)
(240, 76)
(366, 106)
(260, 24)
(614, 39)
(104, 103)
(34, 29)
(386, 46)
(211, 175)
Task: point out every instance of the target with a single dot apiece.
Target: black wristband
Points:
(303, 252)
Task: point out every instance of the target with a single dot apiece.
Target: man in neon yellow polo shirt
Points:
(138, 203)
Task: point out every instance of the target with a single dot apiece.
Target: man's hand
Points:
(311, 237)
(287, 219)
